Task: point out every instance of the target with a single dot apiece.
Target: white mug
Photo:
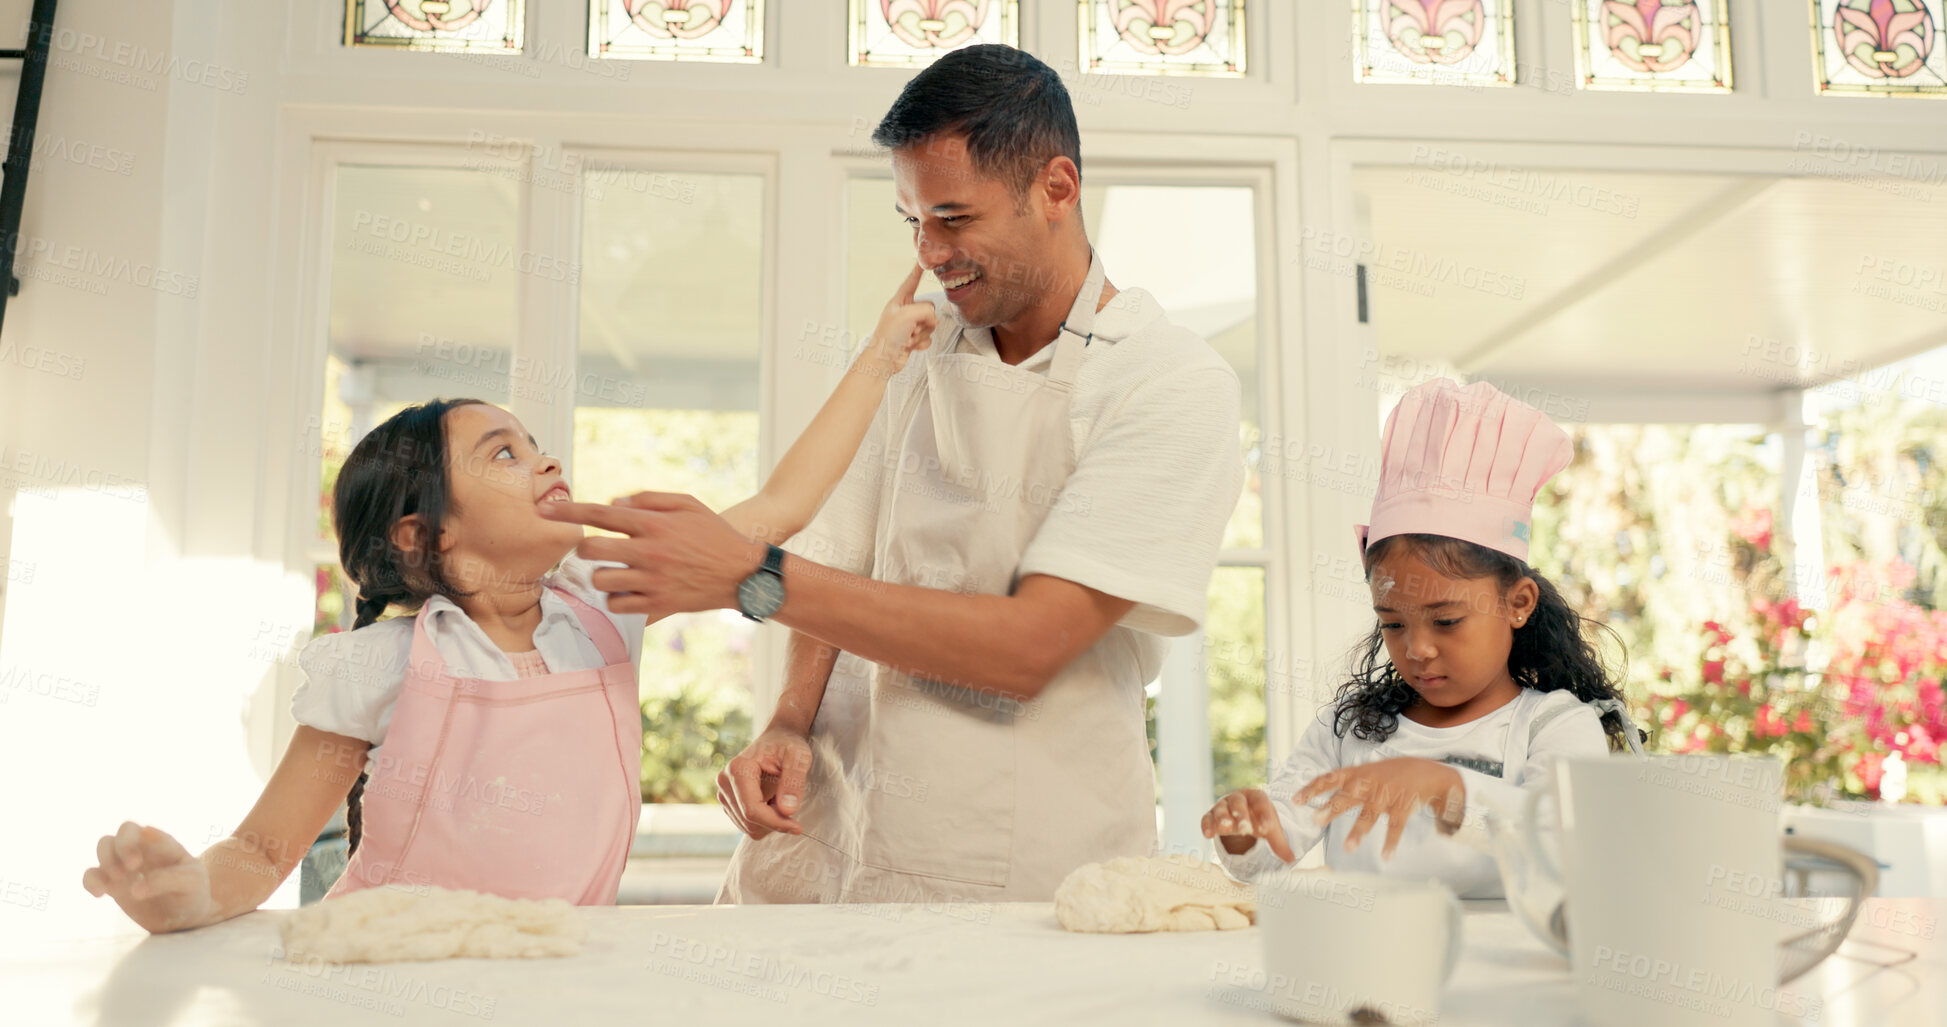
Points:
(1339, 947)
(1674, 911)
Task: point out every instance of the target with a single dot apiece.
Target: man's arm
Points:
(1010, 645)
(763, 786)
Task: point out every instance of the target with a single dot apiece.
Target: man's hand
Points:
(904, 327)
(681, 557)
(1239, 819)
(763, 786)
(153, 878)
(1396, 788)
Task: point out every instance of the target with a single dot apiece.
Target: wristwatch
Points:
(762, 594)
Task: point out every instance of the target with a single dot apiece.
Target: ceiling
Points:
(1702, 282)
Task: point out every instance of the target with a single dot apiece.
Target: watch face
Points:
(761, 594)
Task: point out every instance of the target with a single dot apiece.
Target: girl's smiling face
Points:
(495, 537)
(1448, 637)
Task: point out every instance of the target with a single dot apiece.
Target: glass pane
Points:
(420, 306)
(671, 320)
(1435, 41)
(435, 24)
(1880, 47)
(1234, 664)
(1163, 37)
(1194, 248)
(911, 33)
(1650, 46)
(677, 30)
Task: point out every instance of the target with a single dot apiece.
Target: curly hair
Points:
(1554, 650)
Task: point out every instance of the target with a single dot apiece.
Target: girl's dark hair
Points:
(1552, 651)
(397, 469)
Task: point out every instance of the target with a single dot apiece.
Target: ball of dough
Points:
(379, 925)
(1131, 895)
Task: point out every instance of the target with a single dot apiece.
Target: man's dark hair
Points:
(1012, 108)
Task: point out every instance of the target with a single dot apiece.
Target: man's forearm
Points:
(807, 667)
(971, 640)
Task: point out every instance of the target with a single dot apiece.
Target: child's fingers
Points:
(1395, 826)
(110, 863)
(160, 848)
(1368, 816)
(1264, 817)
(907, 288)
(181, 879)
(95, 881)
(128, 844)
(1322, 783)
(1341, 800)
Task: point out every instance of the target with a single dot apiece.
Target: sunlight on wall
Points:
(126, 687)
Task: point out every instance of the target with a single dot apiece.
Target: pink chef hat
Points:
(1465, 463)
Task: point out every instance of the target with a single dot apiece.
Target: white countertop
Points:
(907, 965)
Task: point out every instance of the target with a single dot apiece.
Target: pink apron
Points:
(527, 789)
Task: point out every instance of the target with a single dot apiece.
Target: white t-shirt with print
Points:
(353, 678)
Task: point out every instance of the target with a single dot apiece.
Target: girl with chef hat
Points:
(1475, 678)
(491, 739)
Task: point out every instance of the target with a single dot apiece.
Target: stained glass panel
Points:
(435, 24)
(728, 31)
(1435, 42)
(1653, 45)
(1163, 37)
(912, 33)
(1879, 47)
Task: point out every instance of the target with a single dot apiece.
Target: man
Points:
(1037, 503)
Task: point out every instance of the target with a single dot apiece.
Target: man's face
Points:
(986, 245)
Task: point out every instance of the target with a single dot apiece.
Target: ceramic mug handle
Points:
(1854, 862)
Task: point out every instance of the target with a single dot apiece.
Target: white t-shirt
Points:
(1154, 425)
(353, 678)
(1478, 749)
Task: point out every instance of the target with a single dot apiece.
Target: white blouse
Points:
(1478, 749)
(352, 678)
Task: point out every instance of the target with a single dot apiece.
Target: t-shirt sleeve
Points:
(1315, 754)
(1143, 515)
(352, 679)
(1575, 732)
(841, 534)
(577, 576)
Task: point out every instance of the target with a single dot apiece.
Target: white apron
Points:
(922, 791)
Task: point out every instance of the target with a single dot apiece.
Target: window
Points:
(1163, 37)
(666, 399)
(481, 25)
(1647, 46)
(677, 30)
(420, 306)
(1879, 47)
(1435, 41)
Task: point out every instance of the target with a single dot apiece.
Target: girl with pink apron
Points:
(526, 788)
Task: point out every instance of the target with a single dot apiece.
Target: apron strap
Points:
(1078, 329)
(602, 631)
(424, 662)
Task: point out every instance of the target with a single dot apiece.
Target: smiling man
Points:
(977, 607)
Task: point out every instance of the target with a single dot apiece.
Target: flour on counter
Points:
(1159, 893)
(379, 925)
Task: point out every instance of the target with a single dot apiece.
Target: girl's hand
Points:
(153, 878)
(1396, 788)
(1239, 819)
(904, 326)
